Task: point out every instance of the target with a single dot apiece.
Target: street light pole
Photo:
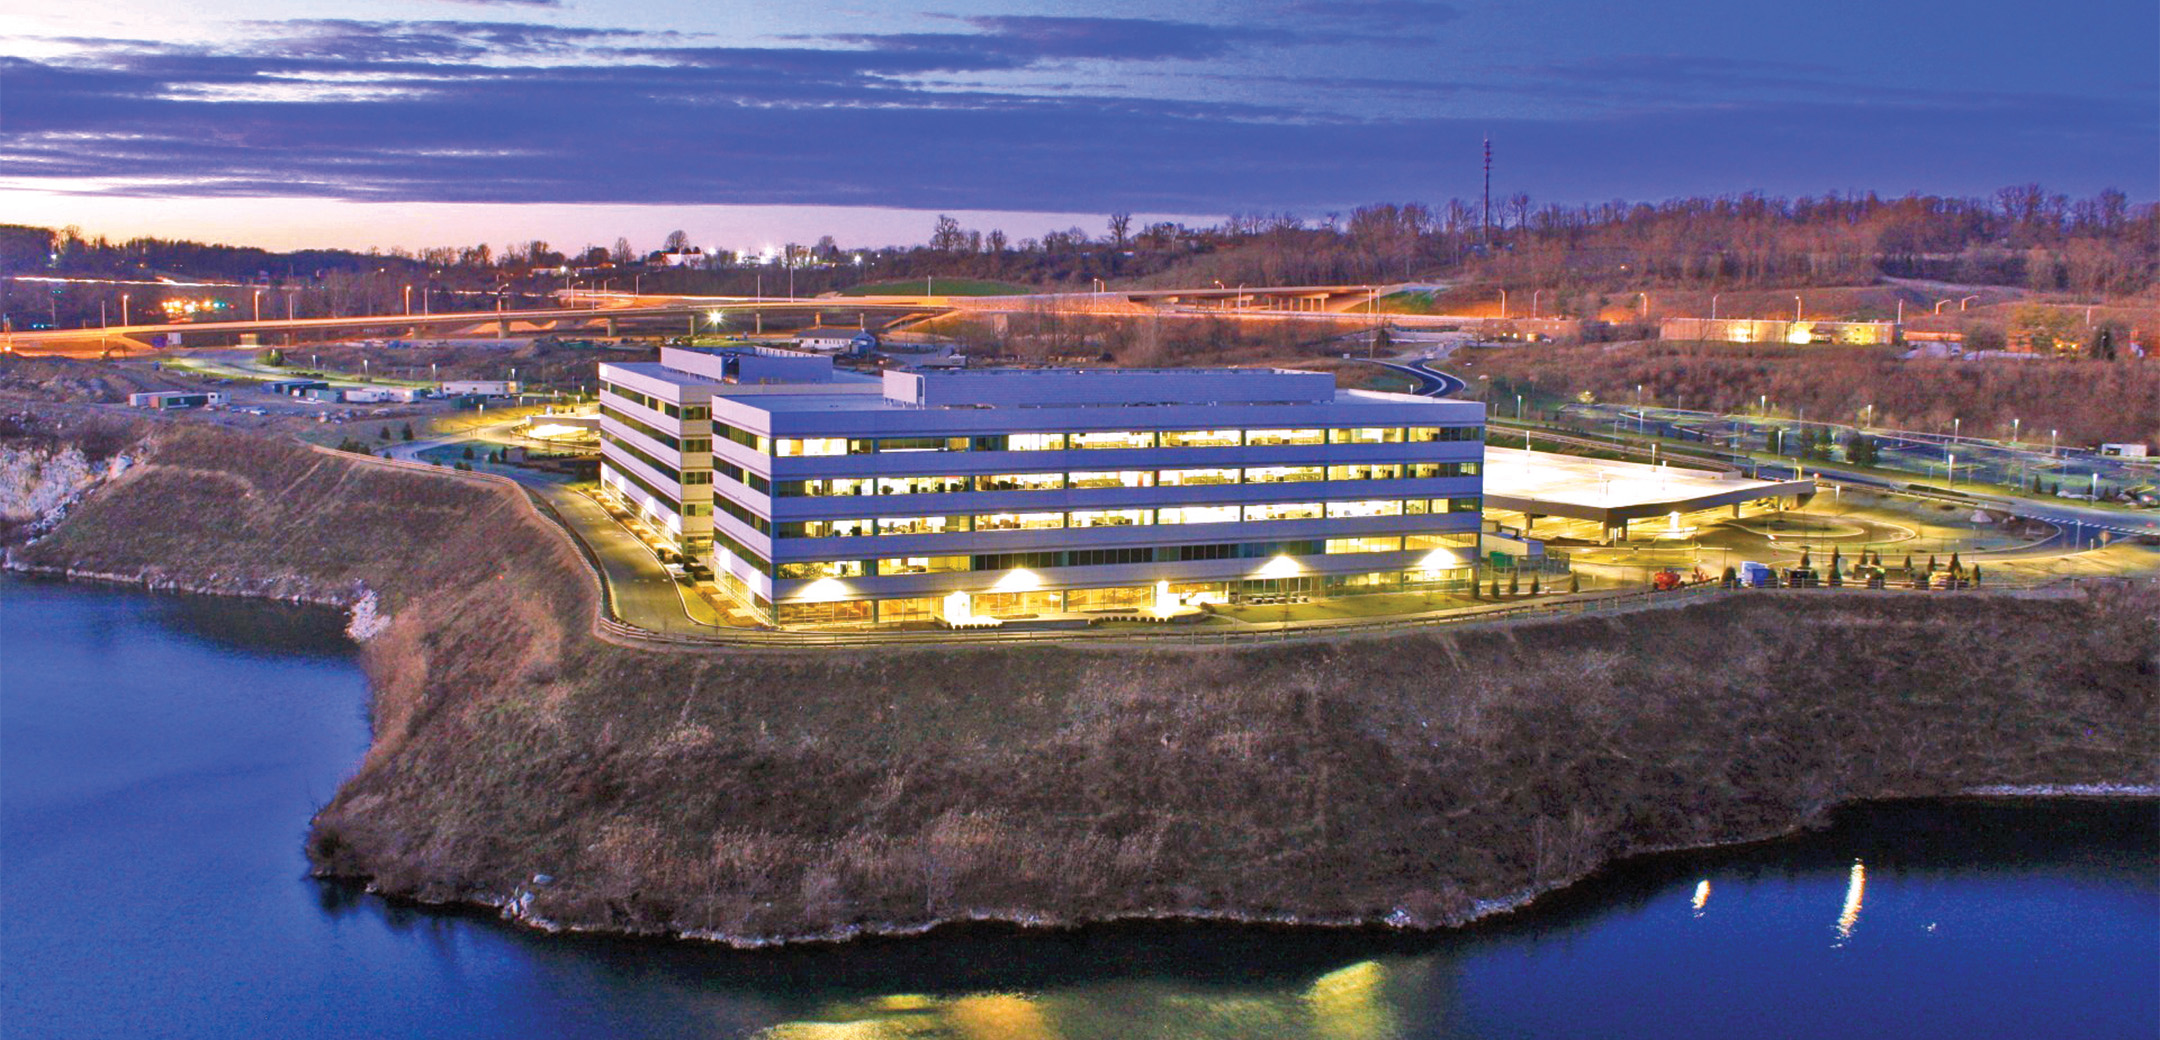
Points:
(124, 309)
(1796, 310)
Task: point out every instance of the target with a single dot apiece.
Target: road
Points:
(640, 590)
(1431, 381)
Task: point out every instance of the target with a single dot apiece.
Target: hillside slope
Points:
(1418, 778)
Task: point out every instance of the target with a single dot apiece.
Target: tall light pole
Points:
(1956, 426)
(1534, 302)
(1503, 305)
(258, 307)
(1966, 300)
(1939, 305)
(124, 309)
(1713, 305)
(408, 299)
(2051, 443)
(1796, 310)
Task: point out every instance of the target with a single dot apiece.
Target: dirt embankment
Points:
(1418, 779)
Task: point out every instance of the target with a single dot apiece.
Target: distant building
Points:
(482, 387)
(826, 339)
(382, 395)
(687, 258)
(1755, 330)
(174, 400)
(294, 387)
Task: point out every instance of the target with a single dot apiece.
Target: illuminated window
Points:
(1111, 517)
(1424, 434)
(1020, 482)
(921, 524)
(825, 528)
(825, 488)
(1449, 540)
(922, 444)
(823, 569)
(1276, 438)
(1198, 515)
(1459, 505)
(920, 485)
(1196, 477)
(793, 446)
(1284, 511)
(1114, 439)
(1420, 506)
(1377, 471)
(1202, 438)
(1033, 442)
(922, 565)
(1363, 545)
(1284, 474)
(1128, 478)
(1367, 435)
(1018, 521)
(1366, 507)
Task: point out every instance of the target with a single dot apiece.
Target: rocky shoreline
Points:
(1410, 781)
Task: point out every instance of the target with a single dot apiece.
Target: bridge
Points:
(604, 313)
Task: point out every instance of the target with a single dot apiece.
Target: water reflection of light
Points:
(992, 1016)
(988, 1016)
(1702, 896)
(1855, 887)
(1348, 1003)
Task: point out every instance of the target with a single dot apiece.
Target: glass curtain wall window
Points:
(1198, 514)
(1202, 438)
(1367, 435)
(1127, 478)
(1019, 521)
(1114, 439)
(1284, 474)
(1020, 482)
(1282, 438)
(1111, 517)
(1197, 477)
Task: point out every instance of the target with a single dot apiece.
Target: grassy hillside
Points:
(769, 795)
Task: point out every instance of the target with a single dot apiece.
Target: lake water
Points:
(159, 758)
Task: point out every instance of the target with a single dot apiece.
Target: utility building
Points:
(823, 496)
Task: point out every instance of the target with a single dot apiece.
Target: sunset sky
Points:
(423, 122)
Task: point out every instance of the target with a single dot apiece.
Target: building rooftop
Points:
(1548, 484)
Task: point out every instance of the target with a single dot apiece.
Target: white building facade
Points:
(826, 497)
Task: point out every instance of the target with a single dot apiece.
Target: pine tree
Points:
(1574, 582)
(1533, 584)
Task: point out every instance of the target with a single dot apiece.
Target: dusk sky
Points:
(426, 122)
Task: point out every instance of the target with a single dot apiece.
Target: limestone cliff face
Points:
(40, 479)
(1416, 779)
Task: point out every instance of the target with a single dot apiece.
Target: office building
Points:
(824, 496)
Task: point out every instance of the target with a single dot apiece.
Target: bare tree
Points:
(1120, 224)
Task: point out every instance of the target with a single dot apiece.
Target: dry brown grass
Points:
(769, 795)
(2088, 401)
